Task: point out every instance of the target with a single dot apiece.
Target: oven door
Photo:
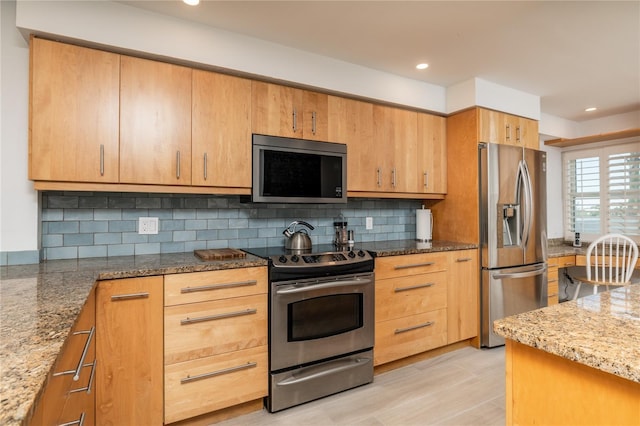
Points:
(315, 319)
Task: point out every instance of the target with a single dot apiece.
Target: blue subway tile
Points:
(238, 223)
(88, 227)
(218, 224)
(147, 248)
(63, 227)
(184, 236)
(92, 251)
(52, 214)
(77, 240)
(207, 214)
(184, 214)
(24, 257)
(62, 201)
(93, 202)
(78, 214)
(55, 253)
(195, 245)
(248, 233)
(172, 225)
(134, 214)
(107, 214)
(106, 238)
(134, 238)
(195, 224)
(120, 250)
(121, 202)
(217, 244)
(4, 256)
(228, 234)
(148, 203)
(267, 232)
(161, 237)
(161, 213)
(211, 234)
(52, 240)
(171, 247)
(122, 225)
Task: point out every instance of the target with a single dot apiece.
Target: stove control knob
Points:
(361, 253)
(282, 259)
(294, 258)
(351, 254)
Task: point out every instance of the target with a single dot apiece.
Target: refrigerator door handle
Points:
(532, 273)
(528, 208)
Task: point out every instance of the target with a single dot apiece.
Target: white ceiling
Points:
(573, 54)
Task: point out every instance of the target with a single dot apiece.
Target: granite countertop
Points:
(601, 331)
(565, 250)
(40, 303)
(402, 247)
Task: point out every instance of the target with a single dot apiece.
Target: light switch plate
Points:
(369, 223)
(147, 225)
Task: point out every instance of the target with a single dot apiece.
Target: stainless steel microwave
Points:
(287, 170)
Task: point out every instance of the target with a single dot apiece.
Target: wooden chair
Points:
(610, 261)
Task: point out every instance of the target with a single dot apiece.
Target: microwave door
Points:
(503, 208)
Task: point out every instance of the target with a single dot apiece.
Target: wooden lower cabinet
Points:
(215, 352)
(66, 399)
(212, 383)
(129, 378)
(463, 296)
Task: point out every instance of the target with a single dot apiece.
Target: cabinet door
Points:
(528, 133)
(221, 130)
(155, 122)
(463, 299)
(315, 120)
(351, 122)
(129, 373)
(492, 126)
(74, 113)
(432, 154)
(276, 110)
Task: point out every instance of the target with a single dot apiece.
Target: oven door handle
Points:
(331, 284)
(341, 365)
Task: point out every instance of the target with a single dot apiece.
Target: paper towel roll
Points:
(423, 225)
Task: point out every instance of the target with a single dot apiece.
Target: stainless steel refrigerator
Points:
(513, 237)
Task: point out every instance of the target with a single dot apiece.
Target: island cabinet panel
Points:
(289, 112)
(215, 340)
(129, 373)
(432, 154)
(463, 296)
(221, 130)
(351, 122)
(69, 390)
(411, 305)
(155, 122)
(73, 116)
(502, 128)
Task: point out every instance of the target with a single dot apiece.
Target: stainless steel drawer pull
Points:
(101, 160)
(378, 176)
(295, 120)
(313, 122)
(518, 134)
(67, 372)
(130, 296)
(508, 128)
(414, 287)
(188, 320)
(90, 384)
(425, 179)
(414, 327)
(464, 259)
(414, 265)
(177, 164)
(79, 422)
(217, 286)
(246, 366)
(76, 376)
(332, 367)
(205, 166)
(314, 287)
(393, 177)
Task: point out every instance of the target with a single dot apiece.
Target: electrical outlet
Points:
(147, 225)
(369, 223)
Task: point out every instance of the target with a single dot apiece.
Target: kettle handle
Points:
(301, 222)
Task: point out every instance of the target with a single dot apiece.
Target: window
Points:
(602, 191)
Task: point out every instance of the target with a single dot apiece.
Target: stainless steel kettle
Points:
(298, 240)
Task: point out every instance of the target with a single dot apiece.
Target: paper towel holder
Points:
(424, 231)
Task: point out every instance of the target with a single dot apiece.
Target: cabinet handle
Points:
(85, 350)
(414, 287)
(217, 286)
(129, 296)
(205, 166)
(518, 134)
(508, 132)
(295, 120)
(78, 422)
(393, 177)
(569, 264)
(188, 320)
(101, 160)
(414, 265)
(90, 384)
(313, 122)
(177, 164)
(552, 281)
(463, 259)
(425, 179)
(552, 295)
(378, 177)
(413, 327)
(246, 366)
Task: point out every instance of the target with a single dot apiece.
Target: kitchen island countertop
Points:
(601, 331)
(40, 303)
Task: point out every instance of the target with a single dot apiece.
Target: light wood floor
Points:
(465, 387)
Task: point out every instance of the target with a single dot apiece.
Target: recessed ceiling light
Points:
(192, 2)
(422, 66)
(590, 109)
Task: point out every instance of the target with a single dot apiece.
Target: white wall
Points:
(18, 200)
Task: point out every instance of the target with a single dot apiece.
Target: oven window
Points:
(324, 316)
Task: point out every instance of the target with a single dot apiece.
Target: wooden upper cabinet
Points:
(285, 111)
(395, 144)
(221, 130)
(351, 122)
(155, 122)
(502, 128)
(74, 101)
(432, 154)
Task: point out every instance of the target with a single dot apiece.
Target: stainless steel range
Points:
(321, 324)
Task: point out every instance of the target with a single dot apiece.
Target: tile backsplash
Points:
(87, 224)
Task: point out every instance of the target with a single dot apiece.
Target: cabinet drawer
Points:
(209, 328)
(566, 261)
(411, 264)
(552, 293)
(410, 335)
(212, 383)
(214, 285)
(552, 275)
(415, 294)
